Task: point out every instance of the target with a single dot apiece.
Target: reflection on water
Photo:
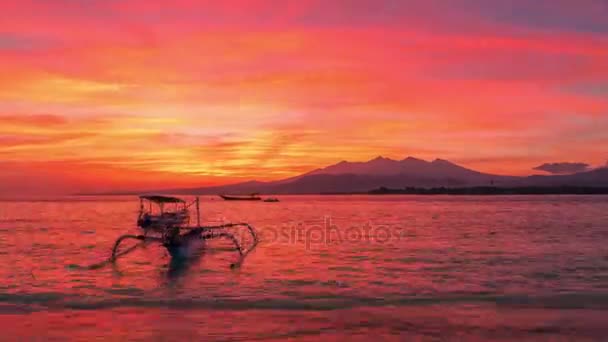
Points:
(526, 267)
(179, 267)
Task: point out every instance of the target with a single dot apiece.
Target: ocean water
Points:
(327, 268)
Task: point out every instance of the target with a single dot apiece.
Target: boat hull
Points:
(241, 198)
(186, 246)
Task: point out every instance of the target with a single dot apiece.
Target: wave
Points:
(51, 300)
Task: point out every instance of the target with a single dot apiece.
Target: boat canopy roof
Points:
(162, 199)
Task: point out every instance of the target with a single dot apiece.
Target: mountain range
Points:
(350, 177)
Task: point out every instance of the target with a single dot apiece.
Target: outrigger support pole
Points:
(204, 232)
(142, 238)
(198, 212)
(212, 235)
(229, 225)
(208, 232)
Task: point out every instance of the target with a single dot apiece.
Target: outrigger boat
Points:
(252, 197)
(170, 229)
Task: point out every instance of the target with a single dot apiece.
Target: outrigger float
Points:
(170, 228)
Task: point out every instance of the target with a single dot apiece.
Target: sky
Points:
(100, 95)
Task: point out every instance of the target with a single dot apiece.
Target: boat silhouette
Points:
(251, 197)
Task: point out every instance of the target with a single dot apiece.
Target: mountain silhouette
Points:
(380, 172)
(363, 176)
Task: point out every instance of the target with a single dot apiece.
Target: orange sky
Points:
(105, 95)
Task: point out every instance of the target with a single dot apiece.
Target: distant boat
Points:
(271, 199)
(252, 197)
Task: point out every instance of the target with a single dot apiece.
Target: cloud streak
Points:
(563, 167)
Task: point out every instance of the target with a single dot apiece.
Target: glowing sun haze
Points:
(108, 94)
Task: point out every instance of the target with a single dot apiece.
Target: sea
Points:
(339, 268)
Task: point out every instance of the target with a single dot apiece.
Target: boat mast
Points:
(198, 213)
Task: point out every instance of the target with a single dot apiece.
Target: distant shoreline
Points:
(489, 190)
(411, 176)
(470, 191)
